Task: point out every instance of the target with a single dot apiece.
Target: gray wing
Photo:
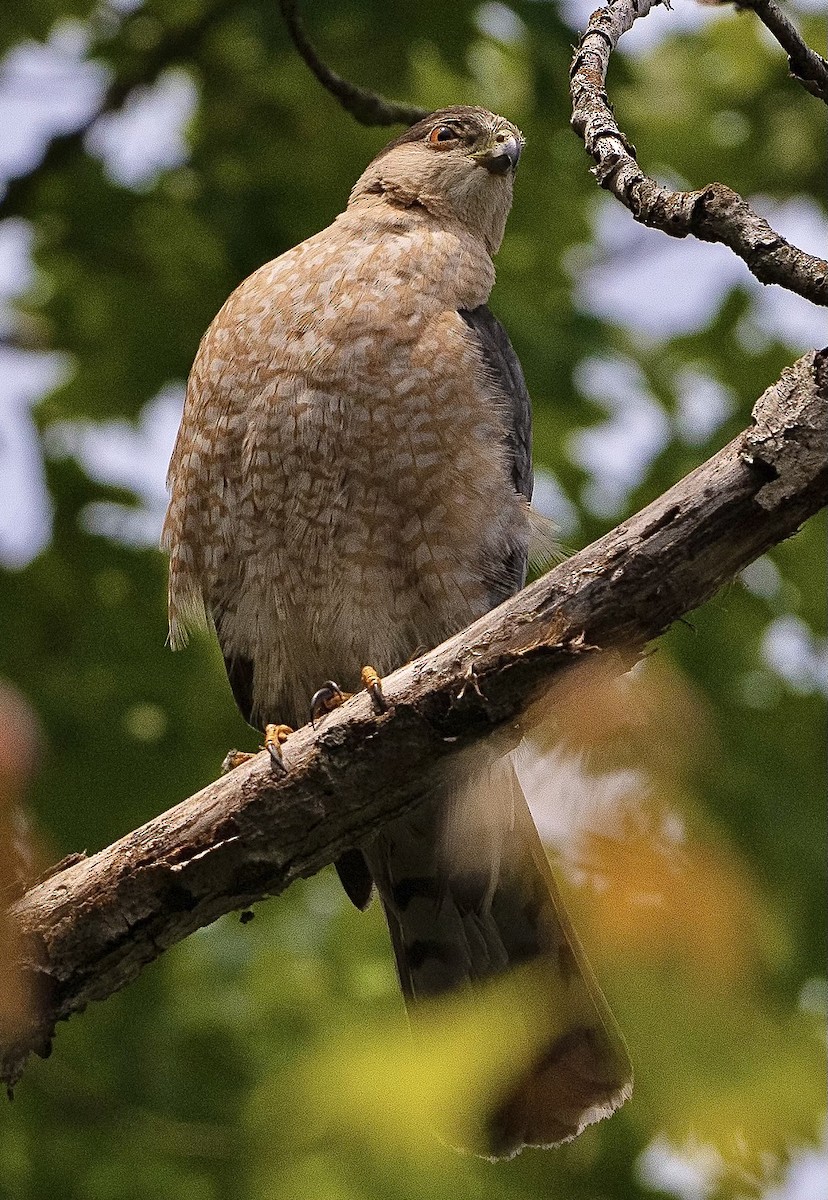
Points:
(504, 369)
(506, 372)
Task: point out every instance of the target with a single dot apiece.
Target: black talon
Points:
(276, 761)
(372, 683)
(325, 700)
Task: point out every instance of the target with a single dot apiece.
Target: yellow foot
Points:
(331, 695)
(373, 685)
(275, 736)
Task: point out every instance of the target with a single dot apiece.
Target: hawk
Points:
(351, 484)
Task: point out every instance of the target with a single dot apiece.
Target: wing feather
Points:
(506, 372)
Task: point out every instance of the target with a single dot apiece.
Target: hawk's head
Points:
(458, 162)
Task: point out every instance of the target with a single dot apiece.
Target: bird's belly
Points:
(374, 523)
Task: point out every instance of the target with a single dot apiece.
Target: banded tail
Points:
(467, 901)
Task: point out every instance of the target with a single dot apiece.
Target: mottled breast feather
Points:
(346, 485)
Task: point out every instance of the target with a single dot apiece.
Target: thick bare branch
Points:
(806, 66)
(90, 928)
(369, 108)
(714, 213)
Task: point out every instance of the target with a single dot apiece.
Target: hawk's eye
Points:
(444, 133)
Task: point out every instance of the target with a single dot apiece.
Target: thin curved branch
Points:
(714, 213)
(805, 65)
(369, 108)
(89, 929)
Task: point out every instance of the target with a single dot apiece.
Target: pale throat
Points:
(475, 200)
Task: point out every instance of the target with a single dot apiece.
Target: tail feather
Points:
(469, 895)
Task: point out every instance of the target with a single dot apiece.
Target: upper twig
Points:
(806, 66)
(714, 213)
(367, 107)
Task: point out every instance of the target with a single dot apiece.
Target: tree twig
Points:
(806, 66)
(89, 929)
(369, 108)
(714, 213)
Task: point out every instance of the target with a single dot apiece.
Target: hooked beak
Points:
(499, 157)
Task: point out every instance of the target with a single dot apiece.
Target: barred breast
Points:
(341, 493)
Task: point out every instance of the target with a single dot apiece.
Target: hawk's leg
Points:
(274, 737)
(331, 695)
(373, 685)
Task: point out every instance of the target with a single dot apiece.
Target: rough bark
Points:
(714, 213)
(89, 929)
(805, 65)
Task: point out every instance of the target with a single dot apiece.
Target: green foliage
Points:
(213, 1074)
